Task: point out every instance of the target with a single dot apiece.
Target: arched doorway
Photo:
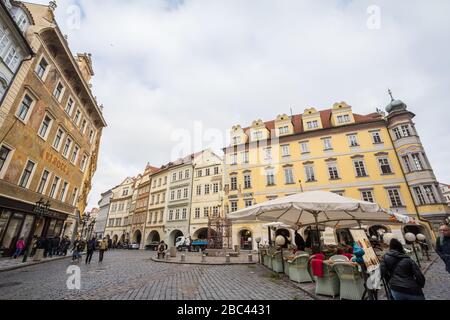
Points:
(246, 239)
(173, 237)
(416, 229)
(286, 234)
(153, 237)
(201, 234)
(137, 237)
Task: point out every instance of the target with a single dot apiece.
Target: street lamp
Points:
(40, 209)
(258, 241)
(423, 244)
(411, 238)
(281, 241)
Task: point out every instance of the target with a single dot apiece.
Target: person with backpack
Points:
(443, 245)
(402, 274)
(91, 244)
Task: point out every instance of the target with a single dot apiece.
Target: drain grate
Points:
(9, 284)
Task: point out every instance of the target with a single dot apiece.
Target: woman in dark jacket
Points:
(402, 274)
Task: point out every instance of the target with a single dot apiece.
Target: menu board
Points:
(370, 258)
(329, 237)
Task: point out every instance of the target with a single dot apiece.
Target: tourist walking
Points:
(102, 248)
(402, 274)
(20, 247)
(90, 249)
(443, 245)
(76, 250)
(55, 246)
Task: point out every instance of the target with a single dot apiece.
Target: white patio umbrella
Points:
(318, 208)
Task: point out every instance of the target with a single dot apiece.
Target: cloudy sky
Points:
(171, 71)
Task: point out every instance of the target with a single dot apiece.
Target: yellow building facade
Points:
(357, 156)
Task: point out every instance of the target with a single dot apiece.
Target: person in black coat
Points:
(90, 249)
(299, 241)
(443, 245)
(404, 277)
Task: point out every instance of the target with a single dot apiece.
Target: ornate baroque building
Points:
(50, 128)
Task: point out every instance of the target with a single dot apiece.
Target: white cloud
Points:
(162, 65)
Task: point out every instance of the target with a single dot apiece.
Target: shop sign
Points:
(61, 165)
(370, 258)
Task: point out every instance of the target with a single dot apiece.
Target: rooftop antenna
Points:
(292, 115)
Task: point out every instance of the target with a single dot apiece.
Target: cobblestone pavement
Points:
(131, 275)
(437, 286)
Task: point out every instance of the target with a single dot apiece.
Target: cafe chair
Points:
(277, 262)
(298, 269)
(351, 281)
(286, 257)
(339, 258)
(329, 284)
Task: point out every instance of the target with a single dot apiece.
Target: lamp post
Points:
(258, 241)
(411, 238)
(423, 244)
(281, 241)
(40, 209)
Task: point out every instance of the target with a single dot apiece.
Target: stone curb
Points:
(203, 263)
(20, 266)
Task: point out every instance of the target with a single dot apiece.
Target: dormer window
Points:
(312, 124)
(236, 140)
(283, 130)
(343, 119)
(257, 135)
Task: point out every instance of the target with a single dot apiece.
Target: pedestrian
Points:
(299, 241)
(76, 253)
(20, 247)
(162, 250)
(443, 245)
(55, 246)
(103, 247)
(109, 243)
(46, 246)
(66, 245)
(34, 246)
(402, 274)
(90, 249)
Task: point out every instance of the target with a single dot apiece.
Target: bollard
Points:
(204, 258)
(183, 257)
(227, 260)
(250, 258)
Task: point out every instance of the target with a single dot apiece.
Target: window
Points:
(13, 58)
(83, 126)
(44, 129)
(77, 117)
(367, 195)
(184, 215)
(199, 190)
(283, 130)
(270, 178)
(285, 150)
(180, 175)
(384, 166)
(376, 138)
(430, 194)
(111, 223)
(288, 176)
(304, 146)
(25, 107)
(248, 203)
(124, 192)
(257, 135)
(394, 196)
(172, 195)
(76, 149)
(353, 139)
(91, 136)
(206, 188)
(216, 170)
(233, 183)
(179, 194)
(245, 157)
(199, 173)
(215, 187)
(333, 171)
(43, 182)
(236, 140)
(54, 187)
(343, 119)
(161, 216)
(360, 168)
(247, 181)
(62, 196)
(24, 181)
(268, 154)
(327, 144)
(174, 176)
(4, 42)
(185, 192)
(215, 212)
(234, 206)
(312, 124)
(74, 196)
(405, 130)
(83, 162)
(69, 106)
(206, 212)
(4, 153)
(58, 91)
(159, 182)
(419, 195)
(58, 138)
(153, 199)
(187, 174)
(41, 68)
(170, 214)
(407, 163)
(150, 216)
(165, 180)
(208, 172)
(197, 213)
(310, 176)
(418, 166)
(121, 206)
(233, 159)
(67, 147)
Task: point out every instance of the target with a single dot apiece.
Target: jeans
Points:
(17, 253)
(100, 255)
(405, 296)
(89, 255)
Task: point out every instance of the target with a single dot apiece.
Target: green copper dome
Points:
(395, 105)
